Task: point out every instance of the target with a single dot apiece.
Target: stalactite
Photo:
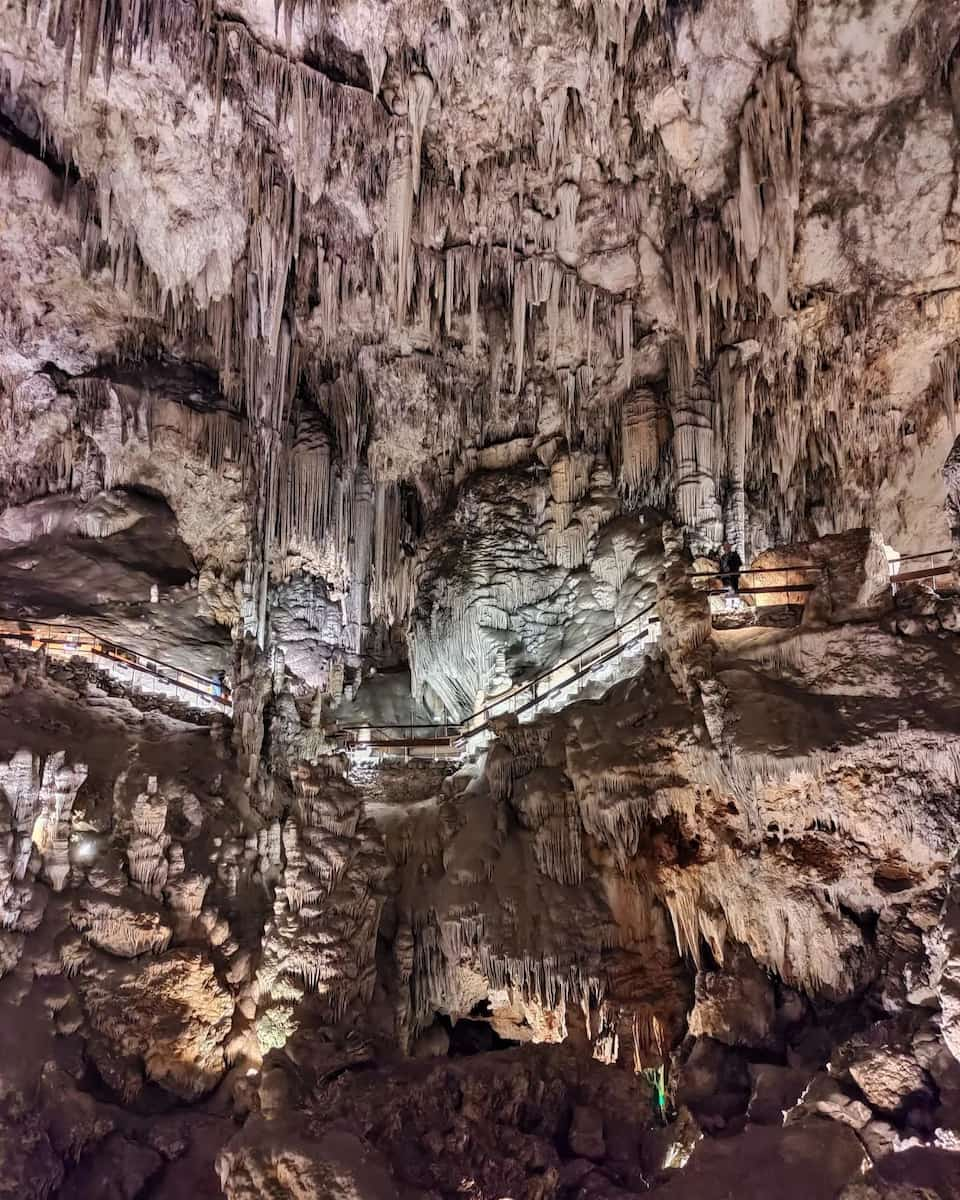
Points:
(519, 331)
(762, 219)
(356, 616)
(945, 379)
(640, 444)
(62, 192)
(626, 343)
(733, 380)
(386, 547)
(453, 245)
(568, 200)
(705, 284)
(419, 96)
(306, 473)
(400, 225)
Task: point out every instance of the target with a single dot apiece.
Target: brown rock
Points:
(827, 1098)
(121, 930)
(811, 1161)
(775, 1091)
(574, 1171)
(272, 1159)
(854, 579)
(171, 1012)
(880, 1189)
(117, 1170)
(887, 1078)
(586, 1133)
(735, 1005)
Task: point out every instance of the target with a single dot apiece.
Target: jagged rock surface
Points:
(385, 355)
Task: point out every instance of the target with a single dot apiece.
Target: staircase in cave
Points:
(783, 587)
(453, 740)
(132, 670)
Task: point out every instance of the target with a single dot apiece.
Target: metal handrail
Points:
(927, 554)
(398, 725)
(366, 735)
(528, 684)
(452, 733)
(59, 627)
(744, 570)
(112, 651)
(559, 687)
(896, 574)
(755, 571)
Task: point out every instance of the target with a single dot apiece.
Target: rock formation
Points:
(387, 376)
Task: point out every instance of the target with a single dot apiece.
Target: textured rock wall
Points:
(718, 893)
(715, 241)
(412, 313)
(527, 569)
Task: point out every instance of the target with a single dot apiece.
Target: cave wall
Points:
(729, 274)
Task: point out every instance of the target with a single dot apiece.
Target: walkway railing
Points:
(449, 740)
(416, 741)
(773, 589)
(929, 564)
(426, 740)
(524, 695)
(153, 676)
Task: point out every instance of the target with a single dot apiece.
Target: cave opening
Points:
(474, 1034)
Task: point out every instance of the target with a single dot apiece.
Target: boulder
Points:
(880, 1139)
(574, 1171)
(778, 568)
(432, 1043)
(951, 479)
(119, 929)
(118, 1170)
(888, 1078)
(809, 1161)
(714, 1084)
(853, 583)
(825, 1097)
(283, 1161)
(734, 1005)
(948, 614)
(171, 1012)
(775, 1091)
(881, 1189)
(586, 1133)
(938, 1171)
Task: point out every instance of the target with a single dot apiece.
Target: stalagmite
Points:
(408, 356)
(692, 407)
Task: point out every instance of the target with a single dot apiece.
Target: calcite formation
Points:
(393, 373)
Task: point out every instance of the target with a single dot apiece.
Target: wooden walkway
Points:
(930, 565)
